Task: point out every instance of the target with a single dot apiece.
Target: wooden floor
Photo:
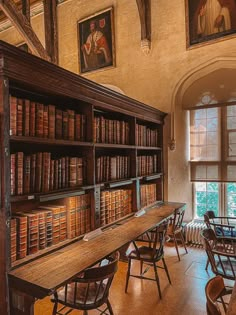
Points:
(185, 296)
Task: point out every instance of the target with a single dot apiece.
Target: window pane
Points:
(231, 199)
(206, 198)
(204, 135)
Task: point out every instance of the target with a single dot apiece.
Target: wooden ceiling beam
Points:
(26, 8)
(23, 26)
(50, 26)
(144, 9)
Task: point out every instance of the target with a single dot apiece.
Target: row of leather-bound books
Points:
(110, 168)
(146, 136)
(148, 194)
(111, 130)
(33, 119)
(115, 204)
(48, 225)
(147, 164)
(41, 172)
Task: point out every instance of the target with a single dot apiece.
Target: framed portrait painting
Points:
(208, 20)
(96, 41)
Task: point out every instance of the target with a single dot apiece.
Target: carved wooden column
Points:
(144, 8)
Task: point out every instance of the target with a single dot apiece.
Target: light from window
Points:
(231, 199)
(206, 198)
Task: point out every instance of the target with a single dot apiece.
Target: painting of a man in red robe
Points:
(96, 43)
(210, 19)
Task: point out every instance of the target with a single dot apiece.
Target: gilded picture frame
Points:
(96, 43)
(209, 21)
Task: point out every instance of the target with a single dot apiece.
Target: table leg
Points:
(21, 303)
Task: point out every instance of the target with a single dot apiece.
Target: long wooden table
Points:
(232, 303)
(43, 276)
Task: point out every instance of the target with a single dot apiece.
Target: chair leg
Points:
(207, 264)
(141, 267)
(127, 275)
(85, 312)
(166, 270)
(157, 280)
(183, 242)
(176, 247)
(109, 307)
(54, 311)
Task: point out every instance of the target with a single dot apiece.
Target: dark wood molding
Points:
(22, 24)
(144, 9)
(50, 25)
(26, 9)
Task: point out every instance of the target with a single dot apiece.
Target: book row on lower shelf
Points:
(115, 204)
(148, 194)
(29, 118)
(112, 168)
(49, 224)
(147, 164)
(40, 172)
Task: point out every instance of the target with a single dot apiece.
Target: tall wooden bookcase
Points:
(121, 148)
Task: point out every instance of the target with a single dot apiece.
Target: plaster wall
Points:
(148, 78)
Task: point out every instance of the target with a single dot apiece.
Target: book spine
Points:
(13, 115)
(38, 173)
(27, 169)
(51, 121)
(58, 124)
(39, 120)
(19, 172)
(13, 238)
(32, 172)
(26, 118)
(45, 122)
(32, 119)
(65, 119)
(71, 122)
(13, 174)
(73, 171)
(19, 117)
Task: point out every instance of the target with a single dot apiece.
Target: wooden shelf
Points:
(118, 183)
(114, 146)
(149, 148)
(153, 176)
(50, 142)
(54, 195)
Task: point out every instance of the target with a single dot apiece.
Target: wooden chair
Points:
(150, 255)
(221, 225)
(88, 291)
(175, 229)
(221, 254)
(215, 291)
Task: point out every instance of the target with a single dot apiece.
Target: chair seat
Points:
(81, 292)
(146, 253)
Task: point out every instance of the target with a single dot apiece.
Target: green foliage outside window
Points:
(207, 198)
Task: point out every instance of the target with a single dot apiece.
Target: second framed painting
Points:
(96, 41)
(208, 20)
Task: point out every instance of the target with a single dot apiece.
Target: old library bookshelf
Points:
(75, 156)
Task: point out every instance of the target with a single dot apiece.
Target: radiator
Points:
(192, 232)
